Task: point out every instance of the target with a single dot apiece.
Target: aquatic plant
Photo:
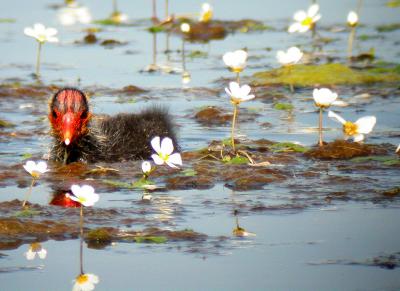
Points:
(324, 98)
(289, 58)
(236, 61)
(35, 170)
(85, 282)
(206, 13)
(73, 14)
(238, 95)
(356, 130)
(35, 249)
(84, 195)
(164, 150)
(146, 169)
(42, 35)
(352, 22)
(185, 29)
(305, 21)
(116, 16)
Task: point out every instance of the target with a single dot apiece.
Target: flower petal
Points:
(155, 143)
(358, 137)
(175, 159)
(245, 90)
(300, 15)
(29, 166)
(312, 10)
(42, 167)
(29, 32)
(294, 27)
(365, 124)
(76, 190)
(157, 160)
(167, 147)
(336, 117)
(42, 254)
(51, 31)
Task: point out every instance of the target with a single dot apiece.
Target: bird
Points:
(81, 136)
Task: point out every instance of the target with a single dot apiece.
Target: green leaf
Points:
(288, 147)
(198, 54)
(26, 156)
(238, 160)
(283, 106)
(189, 172)
(118, 184)
(151, 239)
(386, 160)
(141, 183)
(156, 29)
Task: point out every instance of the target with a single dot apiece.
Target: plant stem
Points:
(320, 143)
(154, 10)
(38, 59)
(81, 240)
(155, 49)
(115, 8)
(238, 77)
(350, 44)
(235, 110)
(166, 9)
(29, 193)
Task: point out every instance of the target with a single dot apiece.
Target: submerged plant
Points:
(164, 152)
(289, 58)
(238, 95)
(35, 170)
(352, 22)
(42, 35)
(356, 130)
(35, 249)
(305, 21)
(323, 99)
(236, 62)
(206, 13)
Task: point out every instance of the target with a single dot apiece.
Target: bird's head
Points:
(69, 115)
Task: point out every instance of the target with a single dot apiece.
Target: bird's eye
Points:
(54, 113)
(84, 114)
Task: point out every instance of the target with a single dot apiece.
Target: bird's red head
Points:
(69, 115)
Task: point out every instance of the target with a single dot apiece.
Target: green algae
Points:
(151, 239)
(327, 74)
(99, 236)
(288, 147)
(385, 160)
(283, 106)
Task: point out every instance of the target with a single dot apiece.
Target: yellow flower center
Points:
(307, 22)
(164, 157)
(236, 69)
(35, 174)
(81, 279)
(350, 129)
(35, 247)
(81, 199)
(206, 16)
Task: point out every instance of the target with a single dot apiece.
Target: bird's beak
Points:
(68, 126)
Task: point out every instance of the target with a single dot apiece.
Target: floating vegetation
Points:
(388, 27)
(288, 147)
(283, 106)
(385, 160)
(6, 124)
(327, 74)
(7, 20)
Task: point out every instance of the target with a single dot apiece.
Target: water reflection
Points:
(35, 249)
(238, 231)
(73, 14)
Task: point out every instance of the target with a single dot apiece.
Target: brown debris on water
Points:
(341, 149)
(213, 116)
(189, 182)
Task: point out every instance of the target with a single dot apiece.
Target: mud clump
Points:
(189, 182)
(213, 116)
(341, 149)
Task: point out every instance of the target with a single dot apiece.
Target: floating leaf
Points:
(156, 29)
(118, 184)
(142, 183)
(189, 172)
(238, 160)
(388, 27)
(386, 160)
(288, 147)
(26, 156)
(151, 239)
(283, 106)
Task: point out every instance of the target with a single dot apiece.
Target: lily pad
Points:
(283, 106)
(326, 74)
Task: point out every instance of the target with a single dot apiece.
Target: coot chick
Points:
(81, 136)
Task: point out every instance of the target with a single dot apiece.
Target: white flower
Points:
(239, 93)
(35, 169)
(356, 130)
(305, 20)
(352, 18)
(36, 248)
(290, 57)
(41, 33)
(119, 17)
(164, 152)
(206, 12)
(185, 27)
(85, 282)
(236, 60)
(324, 98)
(146, 167)
(73, 14)
(84, 195)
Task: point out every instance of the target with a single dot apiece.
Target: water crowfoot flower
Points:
(236, 61)
(356, 130)
(84, 195)
(35, 170)
(206, 13)
(36, 249)
(164, 151)
(305, 20)
(323, 99)
(352, 22)
(85, 282)
(42, 35)
(238, 94)
(289, 58)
